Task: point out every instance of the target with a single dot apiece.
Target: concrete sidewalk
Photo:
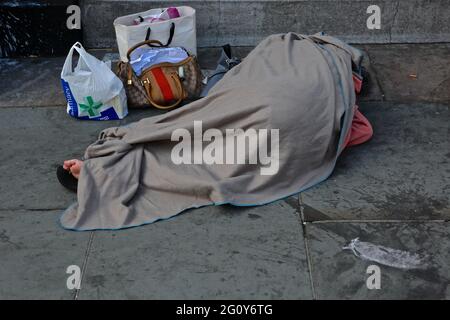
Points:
(392, 191)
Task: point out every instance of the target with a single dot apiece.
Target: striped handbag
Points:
(163, 85)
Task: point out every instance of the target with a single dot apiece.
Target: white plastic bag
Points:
(184, 34)
(92, 90)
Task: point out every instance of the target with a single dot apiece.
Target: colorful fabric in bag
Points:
(145, 57)
(177, 32)
(92, 90)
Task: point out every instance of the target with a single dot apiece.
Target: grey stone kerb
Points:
(245, 23)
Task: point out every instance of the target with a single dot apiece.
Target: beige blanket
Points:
(272, 127)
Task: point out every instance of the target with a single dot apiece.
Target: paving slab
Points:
(246, 22)
(412, 73)
(37, 81)
(339, 274)
(402, 173)
(424, 76)
(35, 253)
(31, 82)
(217, 252)
(34, 141)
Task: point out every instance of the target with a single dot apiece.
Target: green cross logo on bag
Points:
(91, 107)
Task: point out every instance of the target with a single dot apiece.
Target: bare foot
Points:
(73, 166)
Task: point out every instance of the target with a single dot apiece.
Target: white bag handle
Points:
(68, 64)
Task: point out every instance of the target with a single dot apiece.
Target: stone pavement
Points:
(392, 191)
(246, 22)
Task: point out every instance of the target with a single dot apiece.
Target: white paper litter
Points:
(387, 256)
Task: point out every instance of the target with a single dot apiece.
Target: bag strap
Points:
(140, 44)
(169, 41)
(176, 79)
(68, 63)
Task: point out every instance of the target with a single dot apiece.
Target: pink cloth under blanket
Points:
(361, 129)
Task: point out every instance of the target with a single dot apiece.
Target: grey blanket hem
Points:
(304, 188)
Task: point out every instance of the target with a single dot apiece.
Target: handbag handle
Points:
(140, 44)
(169, 41)
(159, 106)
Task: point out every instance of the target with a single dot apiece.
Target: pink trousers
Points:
(361, 129)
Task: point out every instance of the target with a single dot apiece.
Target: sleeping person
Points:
(272, 127)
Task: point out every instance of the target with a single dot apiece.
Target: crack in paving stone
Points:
(5, 239)
(309, 262)
(85, 263)
(293, 202)
(311, 214)
(306, 242)
(394, 18)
